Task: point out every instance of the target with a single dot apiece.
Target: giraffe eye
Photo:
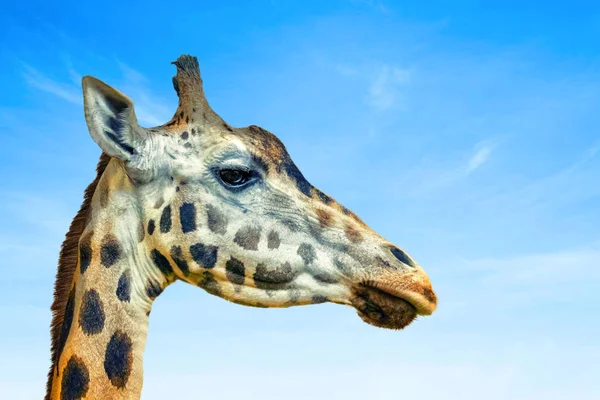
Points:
(235, 177)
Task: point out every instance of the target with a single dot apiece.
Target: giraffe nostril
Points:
(402, 257)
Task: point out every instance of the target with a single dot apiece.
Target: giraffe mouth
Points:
(383, 309)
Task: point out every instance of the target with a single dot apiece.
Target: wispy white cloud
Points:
(501, 284)
(384, 89)
(542, 269)
(384, 82)
(572, 183)
(151, 109)
(37, 80)
(483, 150)
(428, 178)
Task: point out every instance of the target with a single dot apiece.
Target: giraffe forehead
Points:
(262, 143)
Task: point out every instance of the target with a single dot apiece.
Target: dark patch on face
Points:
(294, 173)
(226, 126)
(185, 135)
(85, 253)
(267, 278)
(318, 299)
(188, 145)
(292, 225)
(177, 256)
(236, 272)
(209, 283)
(383, 263)
(153, 289)
(307, 253)
(187, 215)
(75, 381)
(273, 240)
(353, 234)
(151, 227)
(66, 325)
(110, 252)
(340, 265)
(323, 197)
(248, 237)
(165, 220)
(323, 277)
(91, 314)
(118, 359)
(141, 231)
(402, 257)
(316, 231)
(161, 262)
(193, 131)
(124, 286)
(325, 218)
(217, 221)
(205, 256)
(181, 114)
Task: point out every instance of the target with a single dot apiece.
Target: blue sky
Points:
(465, 133)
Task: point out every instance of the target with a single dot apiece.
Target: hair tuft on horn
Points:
(193, 105)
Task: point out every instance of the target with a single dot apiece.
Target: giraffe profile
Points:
(222, 208)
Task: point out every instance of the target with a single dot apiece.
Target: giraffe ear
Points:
(111, 119)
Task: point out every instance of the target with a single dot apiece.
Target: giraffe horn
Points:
(192, 101)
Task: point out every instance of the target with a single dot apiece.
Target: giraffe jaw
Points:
(383, 309)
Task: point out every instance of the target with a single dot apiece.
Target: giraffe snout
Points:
(398, 276)
(410, 283)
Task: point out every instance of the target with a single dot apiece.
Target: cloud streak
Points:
(483, 150)
(39, 81)
(385, 87)
(151, 110)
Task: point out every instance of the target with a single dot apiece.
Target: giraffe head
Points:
(227, 209)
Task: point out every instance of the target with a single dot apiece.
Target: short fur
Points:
(67, 263)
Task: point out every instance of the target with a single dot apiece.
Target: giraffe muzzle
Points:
(395, 302)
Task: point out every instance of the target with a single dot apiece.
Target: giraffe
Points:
(222, 208)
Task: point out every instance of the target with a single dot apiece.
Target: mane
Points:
(67, 263)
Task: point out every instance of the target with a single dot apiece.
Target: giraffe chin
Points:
(382, 309)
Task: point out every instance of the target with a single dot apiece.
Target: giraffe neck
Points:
(106, 319)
